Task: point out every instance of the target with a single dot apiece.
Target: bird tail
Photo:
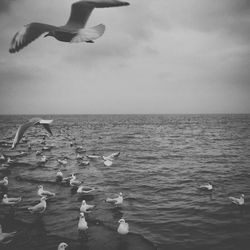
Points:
(89, 34)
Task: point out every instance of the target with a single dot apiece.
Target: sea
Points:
(163, 161)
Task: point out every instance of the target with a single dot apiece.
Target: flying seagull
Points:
(73, 31)
(34, 121)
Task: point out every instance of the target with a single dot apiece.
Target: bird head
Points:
(121, 221)
(242, 195)
(5, 178)
(62, 246)
(5, 196)
(44, 198)
(81, 215)
(120, 194)
(83, 202)
(40, 186)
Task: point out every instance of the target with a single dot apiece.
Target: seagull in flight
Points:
(22, 128)
(73, 31)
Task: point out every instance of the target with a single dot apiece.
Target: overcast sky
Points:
(156, 56)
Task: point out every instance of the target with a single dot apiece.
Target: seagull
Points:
(82, 224)
(73, 31)
(108, 163)
(4, 181)
(40, 207)
(42, 192)
(85, 207)
(111, 157)
(10, 201)
(2, 157)
(84, 190)
(123, 227)
(38, 152)
(238, 201)
(116, 201)
(74, 182)
(63, 162)
(84, 163)
(62, 246)
(43, 159)
(59, 175)
(208, 186)
(6, 238)
(34, 121)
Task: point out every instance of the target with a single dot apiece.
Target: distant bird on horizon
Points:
(73, 31)
(22, 128)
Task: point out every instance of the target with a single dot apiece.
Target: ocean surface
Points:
(163, 160)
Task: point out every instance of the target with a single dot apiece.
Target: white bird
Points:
(40, 207)
(108, 163)
(6, 238)
(22, 128)
(38, 152)
(10, 201)
(4, 181)
(43, 159)
(62, 246)
(84, 190)
(238, 201)
(42, 192)
(79, 157)
(2, 158)
(123, 227)
(73, 31)
(111, 156)
(82, 224)
(85, 207)
(208, 186)
(84, 163)
(9, 160)
(59, 175)
(74, 182)
(116, 201)
(62, 162)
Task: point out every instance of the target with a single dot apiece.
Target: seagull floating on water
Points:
(6, 238)
(22, 128)
(62, 246)
(42, 192)
(74, 182)
(40, 207)
(43, 159)
(123, 227)
(116, 201)
(4, 181)
(63, 162)
(85, 207)
(73, 31)
(59, 175)
(84, 190)
(208, 186)
(82, 224)
(10, 201)
(238, 201)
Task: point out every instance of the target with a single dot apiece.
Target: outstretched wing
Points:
(28, 34)
(45, 124)
(21, 130)
(80, 12)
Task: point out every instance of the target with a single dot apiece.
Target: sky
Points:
(155, 57)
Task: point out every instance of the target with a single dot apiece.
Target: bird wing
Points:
(27, 34)
(80, 12)
(20, 131)
(45, 124)
(89, 34)
(39, 208)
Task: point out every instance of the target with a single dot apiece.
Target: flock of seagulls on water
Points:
(71, 180)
